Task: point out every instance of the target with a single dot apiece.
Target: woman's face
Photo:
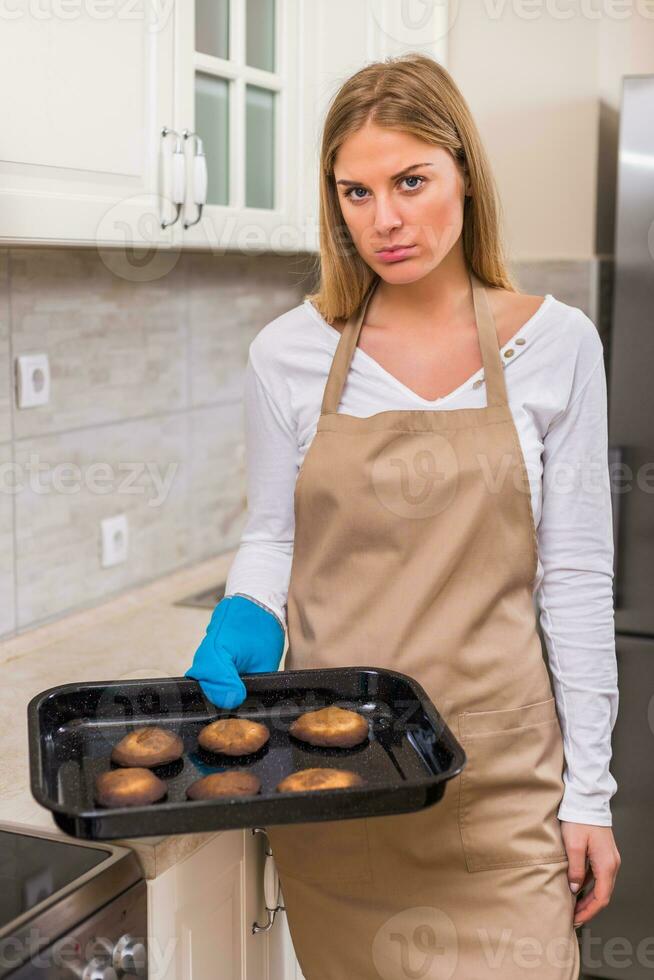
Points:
(395, 189)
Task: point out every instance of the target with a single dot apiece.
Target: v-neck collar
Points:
(362, 354)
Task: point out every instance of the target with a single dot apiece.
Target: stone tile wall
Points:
(145, 417)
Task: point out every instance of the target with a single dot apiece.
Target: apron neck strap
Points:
(488, 343)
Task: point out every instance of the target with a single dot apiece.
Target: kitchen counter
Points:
(138, 634)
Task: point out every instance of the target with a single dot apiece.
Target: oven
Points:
(69, 908)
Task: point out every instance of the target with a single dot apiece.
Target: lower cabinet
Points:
(283, 962)
(201, 912)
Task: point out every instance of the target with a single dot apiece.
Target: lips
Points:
(392, 248)
(396, 253)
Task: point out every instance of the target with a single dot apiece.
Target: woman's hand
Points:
(242, 638)
(592, 854)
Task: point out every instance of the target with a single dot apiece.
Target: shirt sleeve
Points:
(261, 566)
(575, 596)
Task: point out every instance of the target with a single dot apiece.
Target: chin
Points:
(400, 272)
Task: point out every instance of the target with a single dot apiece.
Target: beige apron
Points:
(416, 550)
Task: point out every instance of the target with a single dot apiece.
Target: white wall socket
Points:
(115, 540)
(32, 380)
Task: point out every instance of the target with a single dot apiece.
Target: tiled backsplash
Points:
(145, 414)
(144, 418)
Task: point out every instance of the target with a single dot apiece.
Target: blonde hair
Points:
(411, 93)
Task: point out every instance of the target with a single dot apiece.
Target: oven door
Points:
(113, 940)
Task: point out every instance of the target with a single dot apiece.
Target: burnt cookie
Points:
(233, 736)
(321, 778)
(128, 787)
(149, 746)
(332, 727)
(218, 784)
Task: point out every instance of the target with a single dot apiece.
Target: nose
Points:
(386, 215)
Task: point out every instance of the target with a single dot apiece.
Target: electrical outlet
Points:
(32, 380)
(115, 540)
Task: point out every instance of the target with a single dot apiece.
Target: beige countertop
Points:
(138, 634)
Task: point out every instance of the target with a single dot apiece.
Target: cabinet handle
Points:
(200, 177)
(179, 176)
(271, 887)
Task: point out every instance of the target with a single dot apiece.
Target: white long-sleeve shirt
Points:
(556, 386)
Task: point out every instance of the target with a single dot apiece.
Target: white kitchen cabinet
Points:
(201, 911)
(237, 86)
(90, 86)
(283, 961)
(86, 90)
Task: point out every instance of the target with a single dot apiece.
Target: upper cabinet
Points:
(86, 87)
(237, 92)
(184, 123)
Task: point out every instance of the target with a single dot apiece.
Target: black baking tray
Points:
(408, 758)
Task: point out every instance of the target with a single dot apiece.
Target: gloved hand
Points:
(242, 638)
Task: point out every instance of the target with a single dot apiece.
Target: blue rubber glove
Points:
(242, 638)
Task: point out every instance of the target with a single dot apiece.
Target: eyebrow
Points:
(414, 166)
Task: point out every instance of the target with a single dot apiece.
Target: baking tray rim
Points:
(359, 792)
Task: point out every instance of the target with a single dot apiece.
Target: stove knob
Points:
(129, 955)
(96, 969)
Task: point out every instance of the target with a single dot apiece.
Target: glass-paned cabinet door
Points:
(260, 147)
(212, 27)
(237, 89)
(260, 34)
(212, 123)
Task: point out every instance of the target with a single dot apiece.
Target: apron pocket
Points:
(511, 786)
(327, 850)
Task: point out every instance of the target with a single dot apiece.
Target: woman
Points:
(435, 413)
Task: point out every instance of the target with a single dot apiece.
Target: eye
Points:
(350, 194)
(414, 177)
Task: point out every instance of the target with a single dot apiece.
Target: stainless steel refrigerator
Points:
(619, 941)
